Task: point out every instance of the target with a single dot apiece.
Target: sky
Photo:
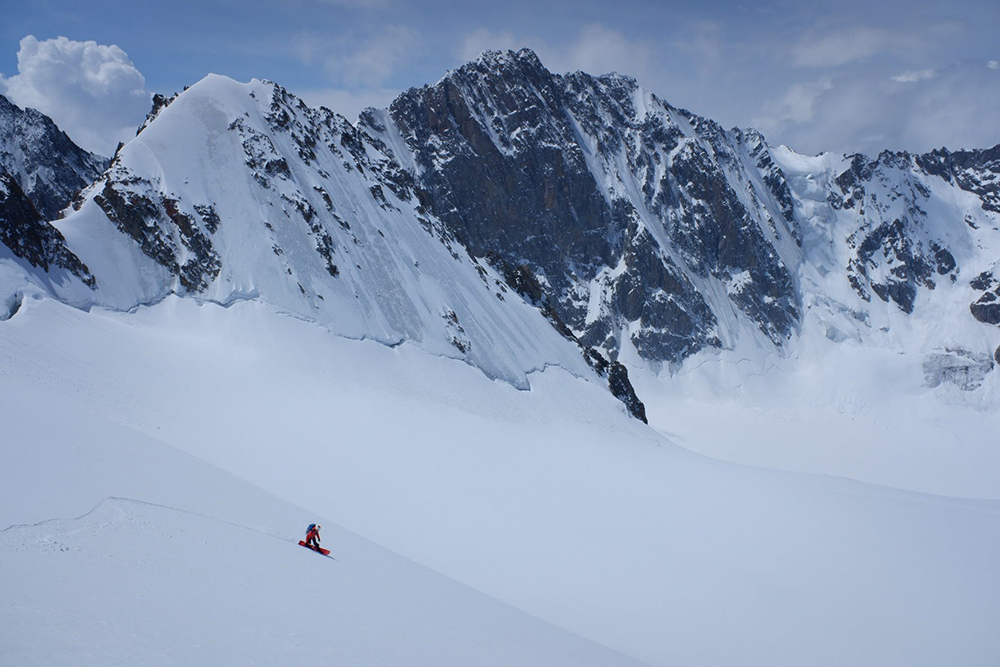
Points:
(850, 76)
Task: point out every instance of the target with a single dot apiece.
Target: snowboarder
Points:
(312, 536)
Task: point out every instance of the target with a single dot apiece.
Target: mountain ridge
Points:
(48, 166)
(633, 230)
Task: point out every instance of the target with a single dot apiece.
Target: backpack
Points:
(311, 528)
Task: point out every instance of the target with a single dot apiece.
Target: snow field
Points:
(550, 500)
(198, 567)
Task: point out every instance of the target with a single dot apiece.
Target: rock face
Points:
(986, 308)
(623, 207)
(48, 166)
(977, 172)
(894, 252)
(650, 228)
(32, 239)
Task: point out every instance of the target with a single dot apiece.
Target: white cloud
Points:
(840, 47)
(993, 64)
(598, 50)
(93, 92)
(704, 41)
(957, 107)
(798, 104)
(378, 58)
(372, 62)
(357, 67)
(913, 76)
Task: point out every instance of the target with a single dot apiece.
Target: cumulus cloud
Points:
(956, 106)
(93, 92)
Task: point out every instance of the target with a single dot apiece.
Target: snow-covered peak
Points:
(572, 212)
(240, 191)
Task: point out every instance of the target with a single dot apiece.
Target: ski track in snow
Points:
(115, 499)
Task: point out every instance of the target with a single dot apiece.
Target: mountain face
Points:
(47, 165)
(32, 239)
(619, 204)
(516, 219)
(653, 228)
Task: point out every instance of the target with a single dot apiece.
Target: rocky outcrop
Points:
(975, 171)
(163, 230)
(986, 308)
(47, 165)
(894, 251)
(32, 239)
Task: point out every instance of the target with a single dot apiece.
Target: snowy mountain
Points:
(648, 227)
(516, 218)
(47, 165)
(261, 315)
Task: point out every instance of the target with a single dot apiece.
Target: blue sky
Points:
(842, 76)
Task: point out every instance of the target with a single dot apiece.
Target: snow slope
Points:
(551, 500)
(241, 192)
(118, 549)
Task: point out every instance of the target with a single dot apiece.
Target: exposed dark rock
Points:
(47, 165)
(622, 389)
(144, 218)
(29, 237)
(986, 308)
(976, 171)
(160, 102)
(945, 260)
(209, 217)
(983, 281)
(505, 150)
(987, 313)
(895, 245)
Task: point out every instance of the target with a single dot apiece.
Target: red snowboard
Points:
(325, 552)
